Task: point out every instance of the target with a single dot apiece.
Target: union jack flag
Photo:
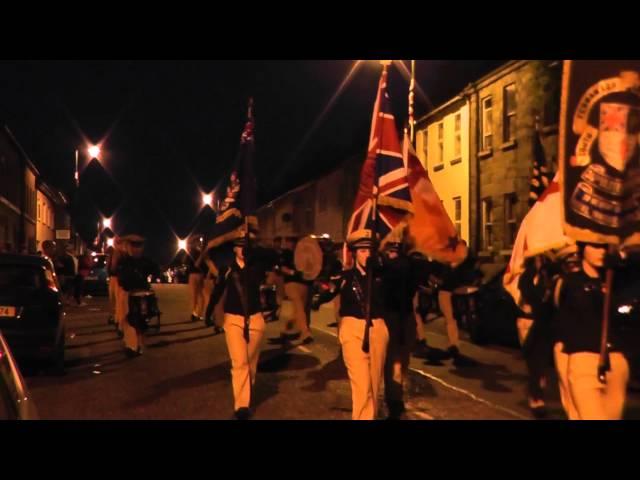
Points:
(384, 188)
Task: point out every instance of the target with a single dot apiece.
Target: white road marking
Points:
(452, 387)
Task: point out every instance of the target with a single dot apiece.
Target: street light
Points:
(94, 151)
(110, 242)
(182, 244)
(106, 223)
(207, 199)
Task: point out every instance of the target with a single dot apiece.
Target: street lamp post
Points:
(94, 152)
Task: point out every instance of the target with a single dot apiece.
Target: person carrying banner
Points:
(244, 324)
(580, 297)
(365, 369)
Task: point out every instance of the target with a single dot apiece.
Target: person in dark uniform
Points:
(297, 291)
(580, 297)
(244, 324)
(195, 275)
(133, 272)
(214, 314)
(365, 369)
(455, 276)
(400, 284)
(537, 284)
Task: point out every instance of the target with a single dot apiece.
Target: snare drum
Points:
(465, 305)
(143, 306)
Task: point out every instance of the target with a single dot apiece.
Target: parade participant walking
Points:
(133, 271)
(297, 291)
(400, 286)
(214, 313)
(116, 254)
(195, 274)
(365, 369)
(243, 322)
(536, 284)
(456, 276)
(580, 296)
(49, 254)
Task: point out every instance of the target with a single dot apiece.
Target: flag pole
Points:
(247, 237)
(412, 86)
(374, 233)
(604, 364)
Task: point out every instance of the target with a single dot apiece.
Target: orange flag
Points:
(430, 231)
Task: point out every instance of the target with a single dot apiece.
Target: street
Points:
(185, 374)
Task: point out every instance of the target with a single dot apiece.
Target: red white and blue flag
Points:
(384, 188)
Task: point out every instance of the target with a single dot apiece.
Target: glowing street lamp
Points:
(110, 242)
(94, 151)
(182, 244)
(207, 199)
(106, 223)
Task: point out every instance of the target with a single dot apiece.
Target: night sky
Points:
(171, 129)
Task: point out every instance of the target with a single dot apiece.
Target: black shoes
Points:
(130, 353)
(194, 318)
(539, 413)
(396, 410)
(242, 414)
(208, 322)
(453, 352)
(422, 349)
(217, 330)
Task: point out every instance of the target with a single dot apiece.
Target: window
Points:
(487, 224)
(486, 126)
(440, 142)
(457, 214)
(509, 108)
(511, 227)
(425, 145)
(39, 213)
(457, 146)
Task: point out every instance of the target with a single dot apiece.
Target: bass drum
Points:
(467, 313)
(313, 255)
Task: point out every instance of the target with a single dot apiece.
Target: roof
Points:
(21, 151)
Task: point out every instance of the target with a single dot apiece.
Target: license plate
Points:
(7, 311)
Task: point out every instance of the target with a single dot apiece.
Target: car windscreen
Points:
(20, 277)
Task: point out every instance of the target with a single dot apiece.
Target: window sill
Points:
(437, 168)
(485, 153)
(550, 129)
(509, 145)
(456, 161)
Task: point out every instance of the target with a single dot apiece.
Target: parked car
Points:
(97, 280)
(15, 401)
(31, 312)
